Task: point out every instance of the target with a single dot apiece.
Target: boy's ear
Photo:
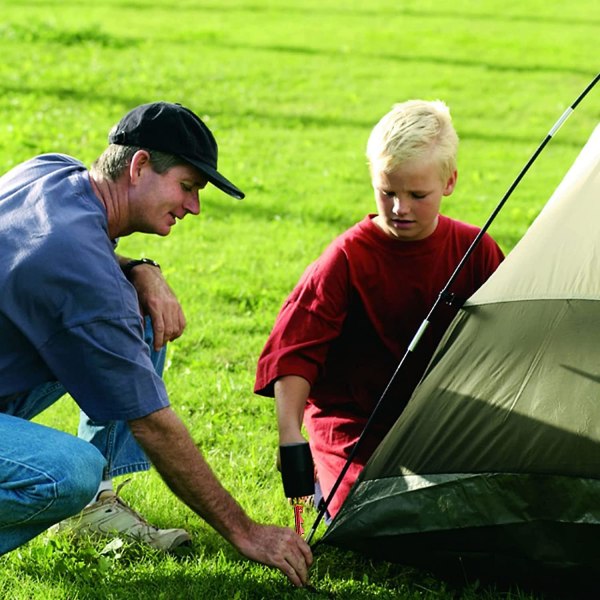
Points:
(451, 183)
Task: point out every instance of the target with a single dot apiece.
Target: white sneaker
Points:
(109, 516)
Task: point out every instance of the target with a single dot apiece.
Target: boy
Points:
(341, 333)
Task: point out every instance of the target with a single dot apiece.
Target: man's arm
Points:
(173, 452)
(158, 301)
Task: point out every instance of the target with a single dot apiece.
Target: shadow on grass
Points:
(269, 212)
(284, 121)
(339, 566)
(211, 570)
(404, 59)
(72, 93)
(362, 11)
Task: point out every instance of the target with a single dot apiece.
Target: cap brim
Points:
(216, 178)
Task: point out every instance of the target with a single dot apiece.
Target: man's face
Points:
(408, 199)
(157, 201)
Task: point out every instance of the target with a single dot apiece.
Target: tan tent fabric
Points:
(560, 255)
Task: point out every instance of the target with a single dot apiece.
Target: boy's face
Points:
(408, 199)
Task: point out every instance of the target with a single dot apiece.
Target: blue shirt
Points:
(67, 312)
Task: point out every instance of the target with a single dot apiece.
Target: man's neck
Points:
(112, 195)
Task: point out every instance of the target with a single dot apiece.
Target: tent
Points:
(494, 465)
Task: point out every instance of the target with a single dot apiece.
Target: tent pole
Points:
(445, 296)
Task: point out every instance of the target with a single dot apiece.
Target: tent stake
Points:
(445, 296)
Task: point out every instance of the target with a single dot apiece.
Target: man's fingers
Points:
(293, 575)
(281, 548)
(166, 326)
(296, 569)
(178, 325)
(298, 557)
(158, 330)
(306, 552)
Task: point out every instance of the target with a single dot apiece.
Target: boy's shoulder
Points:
(458, 224)
(359, 232)
(462, 234)
(458, 228)
(345, 245)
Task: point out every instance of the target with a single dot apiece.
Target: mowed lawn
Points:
(291, 91)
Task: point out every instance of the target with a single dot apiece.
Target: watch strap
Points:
(127, 267)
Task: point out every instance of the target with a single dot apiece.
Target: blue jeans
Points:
(48, 475)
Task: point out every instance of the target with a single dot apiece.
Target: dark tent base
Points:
(489, 556)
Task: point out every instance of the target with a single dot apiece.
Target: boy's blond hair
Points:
(414, 129)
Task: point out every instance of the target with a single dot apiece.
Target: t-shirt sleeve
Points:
(491, 257)
(67, 311)
(108, 384)
(311, 317)
(82, 317)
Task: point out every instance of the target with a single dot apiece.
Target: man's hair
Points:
(415, 129)
(113, 162)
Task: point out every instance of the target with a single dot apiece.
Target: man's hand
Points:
(158, 301)
(174, 453)
(278, 547)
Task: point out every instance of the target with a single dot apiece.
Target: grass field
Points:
(291, 91)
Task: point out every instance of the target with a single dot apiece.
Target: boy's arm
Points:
(296, 464)
(291, 393)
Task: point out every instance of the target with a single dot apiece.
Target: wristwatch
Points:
(139, 261)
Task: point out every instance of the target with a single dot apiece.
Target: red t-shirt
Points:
(347, 324)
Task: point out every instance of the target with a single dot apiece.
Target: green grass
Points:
(291, 91)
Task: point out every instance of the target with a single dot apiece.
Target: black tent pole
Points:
(446, 296)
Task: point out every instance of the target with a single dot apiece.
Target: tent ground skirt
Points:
(485, 522)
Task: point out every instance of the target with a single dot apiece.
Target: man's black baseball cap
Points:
(173, 129)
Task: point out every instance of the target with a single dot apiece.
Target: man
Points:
(70, 321)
